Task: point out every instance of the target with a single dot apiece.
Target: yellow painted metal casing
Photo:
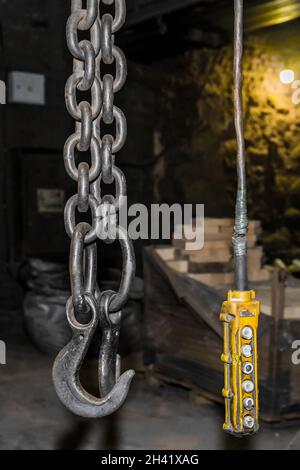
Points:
(240, 315)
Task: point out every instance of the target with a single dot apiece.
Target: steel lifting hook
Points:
(67, 367)
(109, 360)
(105, 307)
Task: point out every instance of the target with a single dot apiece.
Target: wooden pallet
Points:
(213, 263)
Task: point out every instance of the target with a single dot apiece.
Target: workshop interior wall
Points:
(33, 40)
(181, 143)
(198, 140)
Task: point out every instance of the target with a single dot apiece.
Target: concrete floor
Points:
(154, 417)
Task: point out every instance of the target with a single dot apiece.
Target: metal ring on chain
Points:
(90, 275)
(108, 99)
(107, 39)
(108, 318)
(72, 35)
(107, 220)
(107, 159)
(87, 81)
(109, 360)
(128, 271)
(86, 126)
(82, 280)
(70, 223)
(76, 261)
(121, 68)
(73, 322)
(71, 100)
(69, 157)
(121, 188)
(83, 187)
(91, 14)
(120, 13)
(121, 129)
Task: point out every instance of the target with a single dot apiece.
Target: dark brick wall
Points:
(33, 40)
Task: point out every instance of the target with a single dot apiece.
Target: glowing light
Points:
(287, 76)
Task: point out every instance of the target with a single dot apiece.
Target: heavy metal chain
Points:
(91, 56)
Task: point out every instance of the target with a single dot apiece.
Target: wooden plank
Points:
(203, 301)
(209, 221)
(256, 252)
(167, 253)
(259, 276)
(181, 266)
(210, 244)
(200, 268)
(214, 279)
(209, 256)
(224, 222)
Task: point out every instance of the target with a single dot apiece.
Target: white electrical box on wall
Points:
(27, 88)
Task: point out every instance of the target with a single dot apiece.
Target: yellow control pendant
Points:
(240, 315)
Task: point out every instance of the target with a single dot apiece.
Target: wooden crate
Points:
(212, 264)
(183, 339)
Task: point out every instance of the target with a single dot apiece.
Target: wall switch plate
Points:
(27, 88)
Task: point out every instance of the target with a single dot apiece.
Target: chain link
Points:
(88, 57)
